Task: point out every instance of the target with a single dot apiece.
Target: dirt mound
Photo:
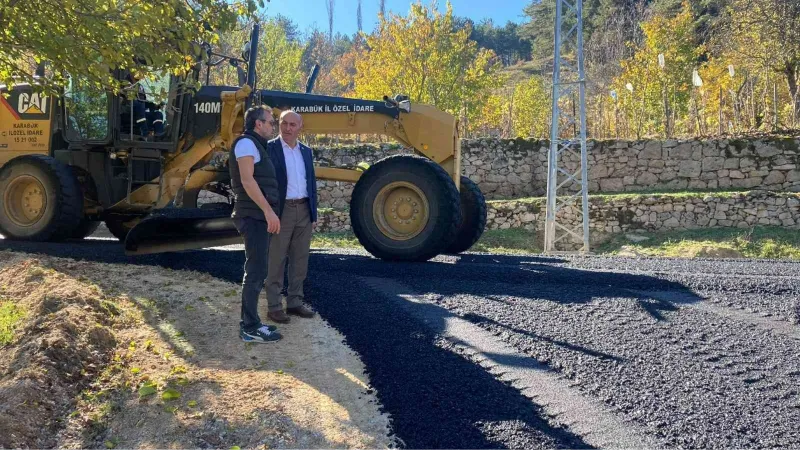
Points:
(62, 343)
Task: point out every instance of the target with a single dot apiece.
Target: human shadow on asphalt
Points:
(478, 319)
(532, 278)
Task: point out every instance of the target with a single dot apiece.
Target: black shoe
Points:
(261, 335)
(301, 311)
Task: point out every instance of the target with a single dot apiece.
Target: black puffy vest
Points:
(263, 173)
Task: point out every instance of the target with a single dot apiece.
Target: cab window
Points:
(86, 111)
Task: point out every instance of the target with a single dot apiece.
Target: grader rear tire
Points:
(405, 208)
(41, 199)
(473, 217)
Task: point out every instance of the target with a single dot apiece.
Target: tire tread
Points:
(471, 230)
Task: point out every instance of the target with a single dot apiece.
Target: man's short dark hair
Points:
(260, 112)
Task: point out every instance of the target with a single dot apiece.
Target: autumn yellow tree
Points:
(328, 54)
(531, 109)
(343, 71)
(765, 35)
(492, 117)
(423, 55)
(655, 85)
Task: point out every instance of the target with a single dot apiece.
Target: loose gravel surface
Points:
(488, 351)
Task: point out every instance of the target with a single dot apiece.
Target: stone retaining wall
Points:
(517, 168)
(624, 213)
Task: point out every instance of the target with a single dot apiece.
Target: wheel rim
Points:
(25, 201)
(401, 210)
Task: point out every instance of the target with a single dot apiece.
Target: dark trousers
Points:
(256, 249)
(155, 120)
(139, 118)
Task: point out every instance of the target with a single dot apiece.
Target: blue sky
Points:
(307, 13)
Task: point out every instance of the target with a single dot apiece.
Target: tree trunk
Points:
(792, 71)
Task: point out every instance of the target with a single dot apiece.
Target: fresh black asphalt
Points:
(686, 353)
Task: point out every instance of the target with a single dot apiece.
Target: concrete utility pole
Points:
(565, 137)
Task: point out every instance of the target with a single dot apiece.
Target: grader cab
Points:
(69, 162)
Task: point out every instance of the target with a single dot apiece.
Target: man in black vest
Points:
(255, 186)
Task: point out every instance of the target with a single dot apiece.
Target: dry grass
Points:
(758, 242)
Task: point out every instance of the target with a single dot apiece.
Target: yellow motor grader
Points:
(70, 161)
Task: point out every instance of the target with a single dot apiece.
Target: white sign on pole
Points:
(696, 80)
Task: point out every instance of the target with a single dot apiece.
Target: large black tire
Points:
(87, 226)
(427, 206)
(473, 217)
(41, 199)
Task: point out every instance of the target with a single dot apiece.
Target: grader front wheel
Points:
(405, 208)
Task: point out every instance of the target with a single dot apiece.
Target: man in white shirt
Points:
(298, 212)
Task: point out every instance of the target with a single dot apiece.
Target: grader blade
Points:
(177, 230)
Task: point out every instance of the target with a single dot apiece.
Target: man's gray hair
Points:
(260, 112)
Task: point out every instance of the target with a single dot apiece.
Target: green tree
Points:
(505, 41)
(423, 56)
(539, 29)
(279, 57)
(89, 38)
(708, 15)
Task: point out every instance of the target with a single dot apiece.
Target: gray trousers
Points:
(294, 243)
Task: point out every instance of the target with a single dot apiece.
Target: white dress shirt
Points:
(295, 172)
